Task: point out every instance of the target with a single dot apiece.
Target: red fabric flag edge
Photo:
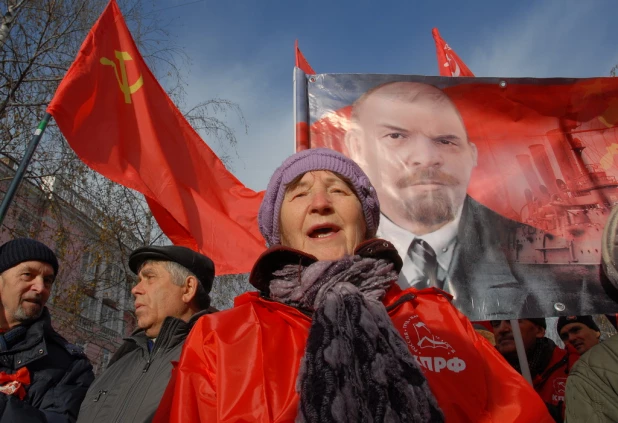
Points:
(177, 232)
(447, 61)
(301, 62)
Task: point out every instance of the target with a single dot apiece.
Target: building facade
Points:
(91, 302)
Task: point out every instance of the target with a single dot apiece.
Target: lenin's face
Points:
(415, 149)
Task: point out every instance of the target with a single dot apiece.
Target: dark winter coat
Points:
(489, 282)
(130, 389)
(60, 375)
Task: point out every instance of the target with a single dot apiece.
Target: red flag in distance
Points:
(449, 64)
(301, 62)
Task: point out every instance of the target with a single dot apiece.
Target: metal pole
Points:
(521, 351)
(301, 109)
(21, 170)
(294, 117)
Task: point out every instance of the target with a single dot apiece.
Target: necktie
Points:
(424, 257)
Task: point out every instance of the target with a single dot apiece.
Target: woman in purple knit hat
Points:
(329, 337)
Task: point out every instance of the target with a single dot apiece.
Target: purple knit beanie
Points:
(306, 161)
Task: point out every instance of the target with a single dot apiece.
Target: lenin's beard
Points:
(430, 208)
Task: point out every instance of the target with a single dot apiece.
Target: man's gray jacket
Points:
(131, 387)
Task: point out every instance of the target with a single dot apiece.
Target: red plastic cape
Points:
(241, 364)
(551, 384)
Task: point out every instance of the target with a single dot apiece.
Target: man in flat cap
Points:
(43, 378)
(171, 294)
(579, 331)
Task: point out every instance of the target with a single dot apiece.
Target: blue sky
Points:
(244, 51)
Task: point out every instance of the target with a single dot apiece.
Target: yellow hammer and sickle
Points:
(123, 82)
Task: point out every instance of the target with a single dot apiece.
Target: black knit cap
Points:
(200, 265)
(25, 249)
(584, 320)
(539, 322)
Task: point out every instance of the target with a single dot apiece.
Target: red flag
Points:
(122, 124)
(301, 62)
(449, 64)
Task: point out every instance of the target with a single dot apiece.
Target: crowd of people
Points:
(329, 335)
(373, 263)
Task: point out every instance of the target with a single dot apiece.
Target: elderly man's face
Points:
(505, 341)
(156, 297)
(417, 155)
(580, 336)
(322, 216)
(24, 291)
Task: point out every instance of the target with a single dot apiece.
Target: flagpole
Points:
(521, 351)
(301, 109)
(21, 170)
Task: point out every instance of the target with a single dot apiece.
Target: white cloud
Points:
(554, 38)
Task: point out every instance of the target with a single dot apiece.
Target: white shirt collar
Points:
(441, 240)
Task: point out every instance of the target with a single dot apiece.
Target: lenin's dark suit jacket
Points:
(487, 285)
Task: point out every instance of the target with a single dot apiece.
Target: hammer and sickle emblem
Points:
(123, 81)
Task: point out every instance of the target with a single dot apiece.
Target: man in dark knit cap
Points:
(549, 364)
(170, 296)
(43, 378)
(579, 331)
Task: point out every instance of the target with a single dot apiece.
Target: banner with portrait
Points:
(495, 190)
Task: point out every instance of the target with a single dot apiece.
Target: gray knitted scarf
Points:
(356, 366)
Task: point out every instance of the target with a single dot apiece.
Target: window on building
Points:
(107, 355)
(120, 326)
(90, 307)
(117, 282)
(127, 286)
(53, 292)
(108, 317)
(89, 266)
(116, 274)
(62, 240)
(24, 223)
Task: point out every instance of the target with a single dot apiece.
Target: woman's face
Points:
(322, 216)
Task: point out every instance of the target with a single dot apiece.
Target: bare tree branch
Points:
(7, 21)
(91, 222)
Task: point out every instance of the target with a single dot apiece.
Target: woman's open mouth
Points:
(323, 231)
